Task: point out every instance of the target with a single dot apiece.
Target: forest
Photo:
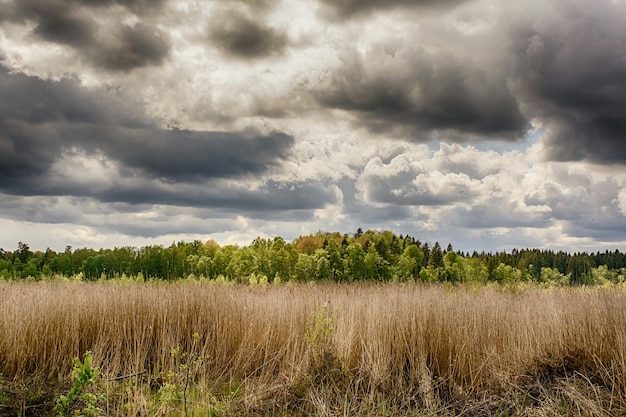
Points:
(360, 256)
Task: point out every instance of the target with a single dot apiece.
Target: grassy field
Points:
(200, 349)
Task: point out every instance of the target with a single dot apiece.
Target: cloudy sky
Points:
(485, 123)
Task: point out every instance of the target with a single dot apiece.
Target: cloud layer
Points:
(118, 47)
(572, 73)
(435, 95)
(482, 123)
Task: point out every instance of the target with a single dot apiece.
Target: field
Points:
(201, 349)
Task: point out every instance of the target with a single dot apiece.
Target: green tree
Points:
(305, 268)
(506, 273)
(283, 258)
(23, 252)
(322, 265)
(454, 266)
(579, 267)
(553, 276)
(354, 264)
(372, 262)
(477, 270)
(335, 259)
(410, 262)
(435, 259)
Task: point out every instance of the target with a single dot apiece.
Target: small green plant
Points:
(320, 330)
(84, 375)
(177, 382)
(320, 334)
(323, 366)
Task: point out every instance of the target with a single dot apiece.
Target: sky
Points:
(487, 124)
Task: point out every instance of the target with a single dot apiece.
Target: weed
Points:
(178, 381)
(320, 331)
(85, 403)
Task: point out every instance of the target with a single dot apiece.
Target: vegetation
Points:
(327, 325)
(370, 255)
(195, 348)
(84, 375)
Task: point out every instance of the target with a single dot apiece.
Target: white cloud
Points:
(80, 236)
(621, 200)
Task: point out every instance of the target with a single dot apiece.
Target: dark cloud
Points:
(48, 9)
(592, 137)
(601, 229)
(566, 69)
(273, 200)
(241, 36)
(347, 8)
(184, 156)
(55, 21)
(69, 28)
(572, 74)
(40, 121)
(425, 93)
(136, 6)
(255, 4)
(69, 23)
(271, 196)
(133, 47)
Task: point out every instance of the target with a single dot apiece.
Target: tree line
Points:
(359, 256)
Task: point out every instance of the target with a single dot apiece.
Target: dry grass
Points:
(325, 350)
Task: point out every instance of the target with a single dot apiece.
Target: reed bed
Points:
(324, 349)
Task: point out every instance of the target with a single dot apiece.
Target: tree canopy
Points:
(363, 255)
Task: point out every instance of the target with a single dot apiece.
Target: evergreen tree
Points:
(435, 259)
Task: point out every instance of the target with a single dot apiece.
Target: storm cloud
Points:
(41, 120)
(132, 47)
(241, 36)
(348, 8)
(118, 47)
(572, 76)
(426, 93)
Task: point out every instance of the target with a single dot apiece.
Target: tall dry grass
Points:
(327, 349)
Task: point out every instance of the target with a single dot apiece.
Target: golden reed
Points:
(330, 349)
